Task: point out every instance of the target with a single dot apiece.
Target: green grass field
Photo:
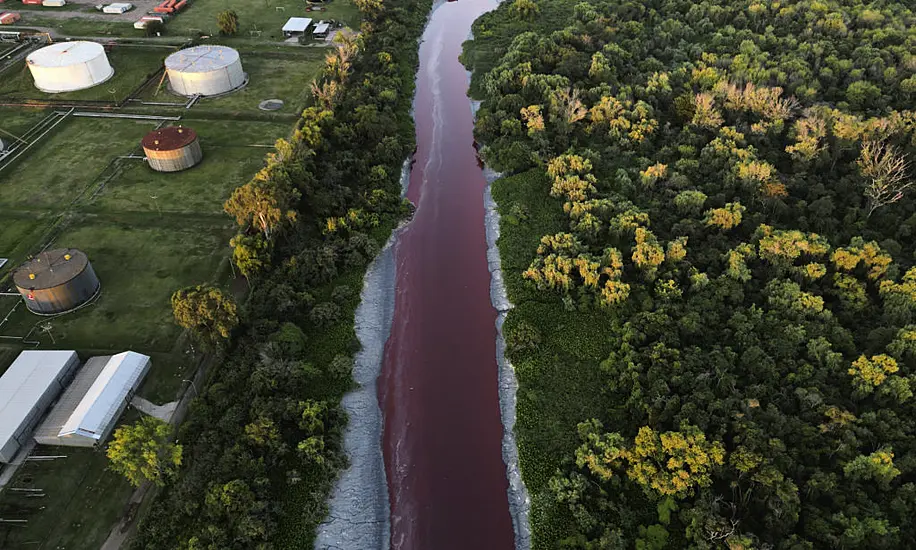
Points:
(83, 501)
(284, 74)
(15, 122)
(139, 267)
(200, 18)
(227, 164)
(132, 65)
(257, 15)
(71, 158)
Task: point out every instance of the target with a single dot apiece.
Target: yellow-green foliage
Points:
(736, 261)
(725, 218)
(673, 463)
(622, 120)
(783, 247)
(869, 373)
(653, 174)
(868, 254)
(648, 253)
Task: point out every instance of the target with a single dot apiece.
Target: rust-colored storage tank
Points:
(56, 281)
(172, 149)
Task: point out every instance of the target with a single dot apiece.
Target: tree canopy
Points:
(707, 234)
(141, 452)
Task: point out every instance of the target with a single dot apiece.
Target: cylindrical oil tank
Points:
(205, 70)
(172, 149)
(56, 281)
(69, 66)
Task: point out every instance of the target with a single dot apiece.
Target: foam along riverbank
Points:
(359, 512)
(519, 501)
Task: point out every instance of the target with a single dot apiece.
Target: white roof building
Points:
(321, 29)
(296, 24)
(96, 414)
(27, 388)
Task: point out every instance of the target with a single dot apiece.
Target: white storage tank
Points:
(69, 66)
(205, 70)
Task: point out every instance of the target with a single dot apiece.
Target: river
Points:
(438, 390)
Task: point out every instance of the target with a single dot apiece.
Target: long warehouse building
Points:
(90, 408)
(27, 389)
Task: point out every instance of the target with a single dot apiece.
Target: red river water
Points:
(438, 390)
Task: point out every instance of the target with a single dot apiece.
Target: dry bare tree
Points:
(885, 169)
(567, 107)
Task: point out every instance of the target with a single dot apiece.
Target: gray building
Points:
(90, 408)
(27, 389)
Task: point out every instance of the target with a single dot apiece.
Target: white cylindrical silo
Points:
(205, 70)
(69, 66)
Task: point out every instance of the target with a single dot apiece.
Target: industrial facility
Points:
(56, 281)
(172, 149)
(69, 66)
(205, 70)
(88, 411)
(27, 389)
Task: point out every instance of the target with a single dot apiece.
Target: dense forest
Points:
(262, 443)
(708, 236)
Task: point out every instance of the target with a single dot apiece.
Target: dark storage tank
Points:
(56, 281)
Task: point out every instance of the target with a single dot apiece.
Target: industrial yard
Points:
(130, 172)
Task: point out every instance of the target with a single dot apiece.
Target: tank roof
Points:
(65, 54)
(168, 139)
(51, 268)
(201, 59)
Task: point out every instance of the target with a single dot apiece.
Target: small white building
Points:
(92, 405)
(296, 26)
(118, 8)
(321, 29)
(27, 389)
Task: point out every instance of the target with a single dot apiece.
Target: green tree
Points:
(265, 205)
(228, 22)
(206, 311)
(250, 253)
(142, 452)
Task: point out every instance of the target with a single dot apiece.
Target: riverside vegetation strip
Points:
(262, 443)
(708, 242)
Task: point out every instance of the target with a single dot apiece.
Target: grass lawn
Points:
(132, 66)
(71, 158)
(17, 237)
(7, 353)
(285, 78)
(83, 501)
(76, 26)
(256, 15)
(227, 164)
(283, 74)
(139, 267)
(18, 121)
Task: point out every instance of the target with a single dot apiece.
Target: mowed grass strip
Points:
(15, 122)
(233, 152)
(69, 159)
(83, 500)
(139, 268)
(18, 236)
(287, 75)
(267, 17)
(273, 78)
(132, 66)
